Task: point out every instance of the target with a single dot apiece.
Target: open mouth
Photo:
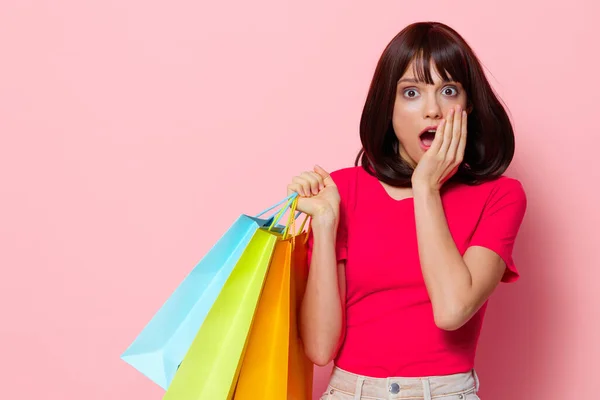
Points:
(427, 138)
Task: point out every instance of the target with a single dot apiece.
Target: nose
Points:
(432, 108)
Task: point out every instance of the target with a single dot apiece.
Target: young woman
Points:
(407, 246)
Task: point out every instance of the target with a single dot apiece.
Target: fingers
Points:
(324, 175)
(452, 155)
(315, 181)
(307, 184)
(303, 184)
(447, 138)
(295, 187)
(460, 153)
(310, 183)
(438, 138)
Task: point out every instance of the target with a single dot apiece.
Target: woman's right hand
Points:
(318, 195)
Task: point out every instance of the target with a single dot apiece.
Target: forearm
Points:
(322, 310)
(446, 275)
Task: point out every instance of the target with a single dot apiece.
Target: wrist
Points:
(424, 189)
(324, 218)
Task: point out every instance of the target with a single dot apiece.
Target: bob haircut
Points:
(490, 141)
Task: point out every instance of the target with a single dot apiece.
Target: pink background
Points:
(134, 132)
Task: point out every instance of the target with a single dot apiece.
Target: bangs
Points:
(437, 48)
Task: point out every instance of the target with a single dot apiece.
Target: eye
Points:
(450, 91)
(410, 93)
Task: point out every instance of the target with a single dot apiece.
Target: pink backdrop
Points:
(134, 132)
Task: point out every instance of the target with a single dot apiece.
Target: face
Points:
(420, 106)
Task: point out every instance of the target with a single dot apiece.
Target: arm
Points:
(457, 286)
(322, 310)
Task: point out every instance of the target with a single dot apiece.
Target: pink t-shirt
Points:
(390, 330)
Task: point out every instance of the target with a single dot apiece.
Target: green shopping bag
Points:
(211, 366)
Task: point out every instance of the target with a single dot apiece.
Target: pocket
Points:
(459, 396)
(334, 394)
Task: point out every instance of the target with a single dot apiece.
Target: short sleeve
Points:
(500, 222)
(340, 177)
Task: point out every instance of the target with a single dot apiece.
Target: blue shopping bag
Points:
(162, 344)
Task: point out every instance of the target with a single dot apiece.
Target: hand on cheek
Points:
(446, 153)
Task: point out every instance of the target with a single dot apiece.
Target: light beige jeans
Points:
(345, 385)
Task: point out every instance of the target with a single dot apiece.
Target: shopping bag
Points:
(274, 364)
(211, 365)
(162, 344)
(264, 369)
(300, 370)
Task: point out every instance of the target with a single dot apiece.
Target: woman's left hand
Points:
(446, 153)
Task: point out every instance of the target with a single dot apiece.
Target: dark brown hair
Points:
(490, 141)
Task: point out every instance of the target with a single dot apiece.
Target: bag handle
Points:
(291, 222)
(291, 202)
(286, 200)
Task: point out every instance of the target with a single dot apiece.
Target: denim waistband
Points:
(427, 388)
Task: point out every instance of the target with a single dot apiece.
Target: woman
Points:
(407, 246)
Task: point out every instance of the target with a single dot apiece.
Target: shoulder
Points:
(346, 177)
(345, 173)
(500, 186)
(488, 196)
(505, 187)
(501, 193)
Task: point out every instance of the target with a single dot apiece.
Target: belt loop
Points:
(426, 389)
(359, 384)
(476, 380)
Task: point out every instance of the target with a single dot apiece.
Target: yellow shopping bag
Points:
(274, 364)
(211, 366)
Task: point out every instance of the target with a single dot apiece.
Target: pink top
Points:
(390, 331)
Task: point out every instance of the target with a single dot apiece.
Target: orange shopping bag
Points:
(274, 364)
(300, 368)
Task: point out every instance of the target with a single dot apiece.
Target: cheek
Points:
(410, 107)
(405, 119)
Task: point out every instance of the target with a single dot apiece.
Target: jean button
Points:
(394, 388)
